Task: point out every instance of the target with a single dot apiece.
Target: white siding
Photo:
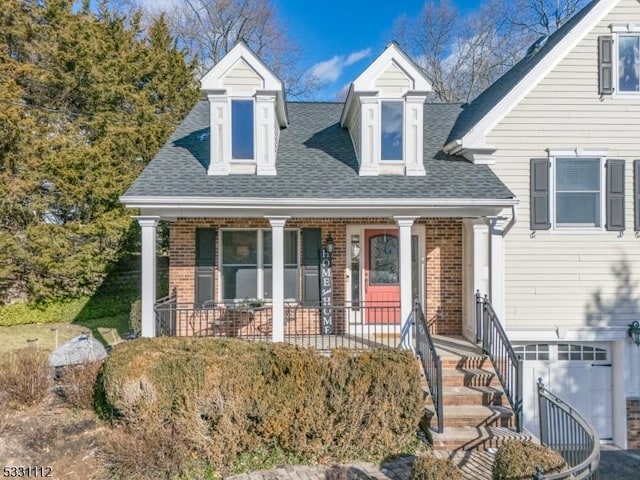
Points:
(560, 278)
(393, 82)
(242, 78)
(355, 123)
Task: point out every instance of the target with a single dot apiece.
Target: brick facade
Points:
(633, 423)
(443, 247)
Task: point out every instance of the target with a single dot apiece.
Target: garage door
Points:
(578, 373)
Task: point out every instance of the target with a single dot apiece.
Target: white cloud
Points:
(357, 56)
(330, 70)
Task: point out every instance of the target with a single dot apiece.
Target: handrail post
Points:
(478, 316)
(485, 324)
(519, 395)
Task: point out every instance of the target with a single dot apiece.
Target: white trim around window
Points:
(618, 32)
(571, 155)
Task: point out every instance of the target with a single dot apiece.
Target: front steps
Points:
(476, 412)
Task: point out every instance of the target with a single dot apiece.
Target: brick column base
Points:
(633, 423)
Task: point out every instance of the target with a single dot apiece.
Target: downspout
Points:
(512, 222)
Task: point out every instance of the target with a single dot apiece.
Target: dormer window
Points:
(384, 114)
(391, 129)
(242, 134)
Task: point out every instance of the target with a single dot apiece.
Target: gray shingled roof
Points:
(484, 103)
(316, 159)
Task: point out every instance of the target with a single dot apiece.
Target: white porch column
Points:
(496, 265)
(277, 259)
(406, 302)
(148, 224)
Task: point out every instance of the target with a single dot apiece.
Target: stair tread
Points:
(475, 410)
(467, 371)
(467, 433)
(470, 390)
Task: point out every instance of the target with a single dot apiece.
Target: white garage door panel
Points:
(585, 385)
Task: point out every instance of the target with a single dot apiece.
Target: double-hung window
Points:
(578, 192)
(247, 265)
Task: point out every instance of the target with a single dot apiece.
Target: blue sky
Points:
(339, 38)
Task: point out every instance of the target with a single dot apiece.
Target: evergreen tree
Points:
(86, 100)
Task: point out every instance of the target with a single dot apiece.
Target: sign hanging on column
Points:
(326, 292)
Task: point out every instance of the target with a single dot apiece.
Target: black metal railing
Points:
(354, 326)
(564, 430)
(431, 363)
(507, 364)
(212, 320)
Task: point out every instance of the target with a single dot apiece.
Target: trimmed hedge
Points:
(221, 400)
(429, 467)
(516, 460)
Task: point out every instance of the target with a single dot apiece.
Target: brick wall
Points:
(443, 247)
(633, 423)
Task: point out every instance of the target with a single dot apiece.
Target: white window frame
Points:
(554, 155)
(617, 31)
(399, 161)
(259, 264)
(255, 145)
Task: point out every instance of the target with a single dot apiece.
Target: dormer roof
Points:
(256, 78)
(393, 71)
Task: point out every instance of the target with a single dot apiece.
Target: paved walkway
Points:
(475, 466)
(615, 464)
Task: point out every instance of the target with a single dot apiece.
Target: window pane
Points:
(240, 282)
(290, 247)
(242, 129)
(383, 260)
(290, 283)
(629, 64)
(391, 130)
(240, 247)
(579, 208)
(575, 175)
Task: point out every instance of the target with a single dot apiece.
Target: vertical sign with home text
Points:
(326, 291)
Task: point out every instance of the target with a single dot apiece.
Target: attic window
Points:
(242, 130)
(391, 130)
(628, 63)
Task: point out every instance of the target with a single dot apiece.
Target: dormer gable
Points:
(247, 111)
(384, 114)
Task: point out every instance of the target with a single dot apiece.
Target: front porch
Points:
(271, 277)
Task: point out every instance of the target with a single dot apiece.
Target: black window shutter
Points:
(615, 195)
(205, 262)
(605, 65)
(539, 194)
(311, 249)
(636, 195)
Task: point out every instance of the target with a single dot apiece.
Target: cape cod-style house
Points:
(333, 224)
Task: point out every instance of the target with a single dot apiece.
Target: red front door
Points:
(382, 276)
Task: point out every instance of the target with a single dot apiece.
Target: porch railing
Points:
(352, 325)
(507, 364)
(431, 363)
(564, 430)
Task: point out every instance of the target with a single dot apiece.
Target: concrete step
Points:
(461, 395)
(475, 361)
(469, 377)
(476, 438)
(472, 416)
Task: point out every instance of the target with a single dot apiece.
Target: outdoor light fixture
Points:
(634, 332)
(329, 244)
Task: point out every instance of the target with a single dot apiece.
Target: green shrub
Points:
(25, 377)
(516, 460)
(224, 400)
(429, 467)
(135, 316)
